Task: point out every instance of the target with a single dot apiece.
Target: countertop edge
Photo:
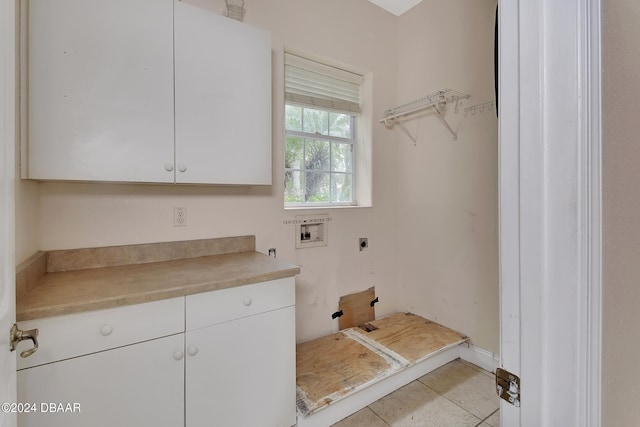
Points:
(141, 298)
(74, 281)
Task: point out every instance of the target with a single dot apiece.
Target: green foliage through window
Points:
(318, 156)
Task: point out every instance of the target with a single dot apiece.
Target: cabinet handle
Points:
(106, 330)
(182, 168)
(247, 301)
(168, 167)
(192, 350)
(16, 335)
(178, 355)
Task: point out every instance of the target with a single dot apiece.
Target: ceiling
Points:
(397, 7)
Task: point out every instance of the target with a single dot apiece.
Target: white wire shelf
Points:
(436, 100)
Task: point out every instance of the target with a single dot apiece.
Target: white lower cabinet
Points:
(240, 356)
(135, 385)
(242, 373)
(224, 358)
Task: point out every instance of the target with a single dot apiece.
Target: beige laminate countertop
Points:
(66, 292)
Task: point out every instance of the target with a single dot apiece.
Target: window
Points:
(318, 156)
(322, 107)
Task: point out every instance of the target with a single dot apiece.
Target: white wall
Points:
(448, 234)
(621, 210)
(27, 224)
(433, 205)
(26, 194)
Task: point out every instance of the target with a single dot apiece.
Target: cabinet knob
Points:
(106, 330)
(192, 350)
(182, 168)
(247, 301)
(168, 167)
(178, 355)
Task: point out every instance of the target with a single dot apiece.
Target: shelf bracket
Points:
(444, 122)
(404, 128)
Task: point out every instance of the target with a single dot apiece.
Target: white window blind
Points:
(311, 83)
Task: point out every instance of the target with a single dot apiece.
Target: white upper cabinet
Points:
(100, 90)
(223, 99)
(146, 91)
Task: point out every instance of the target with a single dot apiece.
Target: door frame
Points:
(550, 209)
(8, 132)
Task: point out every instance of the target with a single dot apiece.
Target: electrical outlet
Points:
(179, 217)
(363, 242)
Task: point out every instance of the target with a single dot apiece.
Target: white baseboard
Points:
(480, 357)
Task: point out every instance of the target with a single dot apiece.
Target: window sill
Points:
(324, 207)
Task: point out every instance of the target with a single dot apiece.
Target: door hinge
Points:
(508, 386)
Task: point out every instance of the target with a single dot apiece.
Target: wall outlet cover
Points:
(363, 244)
(179, 217)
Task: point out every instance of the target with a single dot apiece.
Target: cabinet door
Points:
(132, 386)
(100, 96)
(223, 99)
(242, 373)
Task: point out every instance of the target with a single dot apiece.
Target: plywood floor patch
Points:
(391, 357)
(411, 336)
(332, 367)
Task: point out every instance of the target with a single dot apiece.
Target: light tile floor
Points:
(457, 394)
